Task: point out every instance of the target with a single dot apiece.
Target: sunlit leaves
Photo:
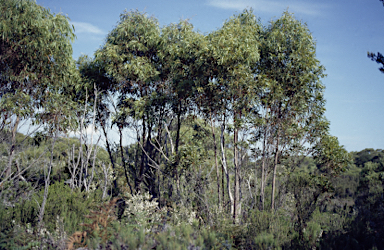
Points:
(331, 157)
(290, 73)
(35, 56)
(131, 49)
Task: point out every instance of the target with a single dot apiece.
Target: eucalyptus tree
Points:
(130, 57)
(235, 48)
(97, 90)
(181, 71)
(292, 97)
(35, 66)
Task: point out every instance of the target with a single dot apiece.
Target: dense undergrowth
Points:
(347, 215)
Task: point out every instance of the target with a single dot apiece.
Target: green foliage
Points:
(130, 49)
(16, 209)
(234, 49)
(18, 237)
(35, 59)
(309, 192)
(176, 88)
(143, 212)
(69, 205)
(361, 214)
(146, 226)
(63, 204)
(264, 241)
(183, 236)
(330, 156)
(266, 229)
(367, 155)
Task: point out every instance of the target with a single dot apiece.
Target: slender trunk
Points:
(155, 187)
(177, 146)
(75, 165)
(12, 150)
(93, 166)
(255, 199)
(110, 156)
(222, 144)
(87, 181)
(137, 156)
(81, 158)
(105, 171)
(46, 186)
(81, 155)
(274, 174)
(123, 159)
(148, 154)
(222, 185)
(178, 129)
(143, 156)
(236, 205)
(262, 188)
(256, 196)
(216, 164)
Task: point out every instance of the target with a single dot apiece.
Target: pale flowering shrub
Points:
(182, 214)
(143, 211)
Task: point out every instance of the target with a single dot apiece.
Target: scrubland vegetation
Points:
(228, 144)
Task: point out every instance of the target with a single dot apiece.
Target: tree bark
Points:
(224, 160)
(236, 205)
(123, 158)
(216, 164)
(143, 156)
(12, 149)
(177, 146)
(262, 188)
(110, 155)
(274, 173)
(46, 186)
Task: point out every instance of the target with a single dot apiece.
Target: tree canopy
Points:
(225, 131)
(35, 56)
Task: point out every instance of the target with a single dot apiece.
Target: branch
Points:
(170, 138)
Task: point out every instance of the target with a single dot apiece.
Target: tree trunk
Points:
(274, 174)
(177, 146)
(143, 156)
(262, 188)
(216, 164)
(123, 158)
(105, 171)
(110, 155)
(46, 186)
(236, 205)
(12, 149)
(255, 200)
(148, 151)
(222, 144)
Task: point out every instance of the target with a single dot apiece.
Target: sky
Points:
(344, 31)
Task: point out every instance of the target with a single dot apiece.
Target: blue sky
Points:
(344, 31)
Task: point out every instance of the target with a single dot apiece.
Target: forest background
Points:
(229, 147)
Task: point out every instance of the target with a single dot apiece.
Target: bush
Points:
(266, 229)
(69, 205)
(64, 210)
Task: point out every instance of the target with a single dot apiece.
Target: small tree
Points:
(292, 94)
(35, 64)
(234, 49)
